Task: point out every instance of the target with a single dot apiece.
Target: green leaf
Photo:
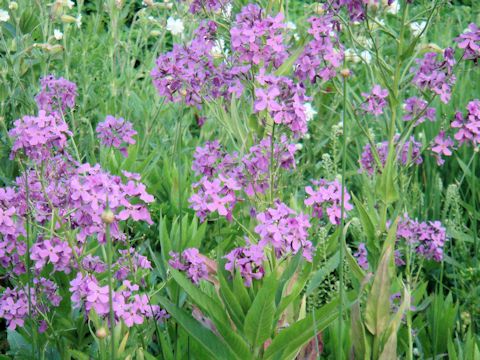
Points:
(378, 304)
(259, 319)
(296, 290)
(231, 302)
(320, 274)
(78, 355)
(292, 338)
(360, 343)
(356, 270)
(241, 292)
(212, 345)
(287, 67)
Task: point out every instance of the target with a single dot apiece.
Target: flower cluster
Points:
(258, 38)
(117, 133)
(248, 261)
(191, 262)
(436, 74)
(361, 256)
(284, 100)
(417, 109)
(208, 5)
(469, 125)
(323, 54)
(328, 194)
(375, 101)
(427, 238)
(410, 152)
(442, 146)
(224, 175)
(284, 230)
(52, 251)
(128, 305)
(56, 94)
(39, 136)
(470, 42)
(356, 8)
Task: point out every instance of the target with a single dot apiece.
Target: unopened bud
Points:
(67, 19)
(13, 5)
(345, 73)
(101, 333)
(155, 33)
(318, 9)
(108, 217)
(183, 92)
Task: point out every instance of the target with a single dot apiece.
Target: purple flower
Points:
(416, 108)
(248, 261)
(207, 5)
(328, 195)
(323, 54)
(361, 256)
(117, 133)
(39, 136)
(285, 231)
(53, 251)
(191, 262)
(470, 42)
(468, 126)
(56, 94)
(435, 74)
(375, 101)
(442, 147)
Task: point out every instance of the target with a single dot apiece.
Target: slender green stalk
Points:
(110, 290)
(342, 221)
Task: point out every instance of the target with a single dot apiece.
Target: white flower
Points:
(291, 25)
(417, 28)
(4, 16)
(366, 56)
(67, 3)
(393, 8)
(57, 34)
(78, 21)
(227, 10)
(299, 146)
(175, 26)
(218, 49)
(351, 55)
(310, 112)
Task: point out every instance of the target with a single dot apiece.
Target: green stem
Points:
(342, 221)
(110, 290)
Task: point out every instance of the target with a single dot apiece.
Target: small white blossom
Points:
(57, 34)
(175, 26)
(393, 8)
(417, 27)
(299, 146)
(366, 56)
(4, 16)
(310, 112)
(291, 25)
(351, 55)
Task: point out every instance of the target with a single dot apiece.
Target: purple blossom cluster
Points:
(417, 109)
(375, 102)
(328, 194)
(470, 42)
(258, 38)
(410, 152)
(207, 5)
(356, 9)
(191, 262)
(284, 100)
(128, 305)
(285, 230)
(59, 194)
(117, 133)
(436, 75)
(323, 54)
(468, 126)
(248, 260)
(361, 256)
(56, 95)
(426, 238)
(38, 136)
(442, 146)
(226, 176)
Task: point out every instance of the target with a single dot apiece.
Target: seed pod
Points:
(101, 333)
(108, 217)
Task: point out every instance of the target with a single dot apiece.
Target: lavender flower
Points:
(375, 101)
(361, 256)
(442, 147)
(117, 133)
(416, 108)
(56, 94)
(470, 42)
(468, 126)
(191, 262)
(248, 261)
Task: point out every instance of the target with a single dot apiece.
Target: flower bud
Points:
(13, 5)
(108, 216)
(345, 73)
(318, 9)
(101, 333)
(67, 19)
(155, 33)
